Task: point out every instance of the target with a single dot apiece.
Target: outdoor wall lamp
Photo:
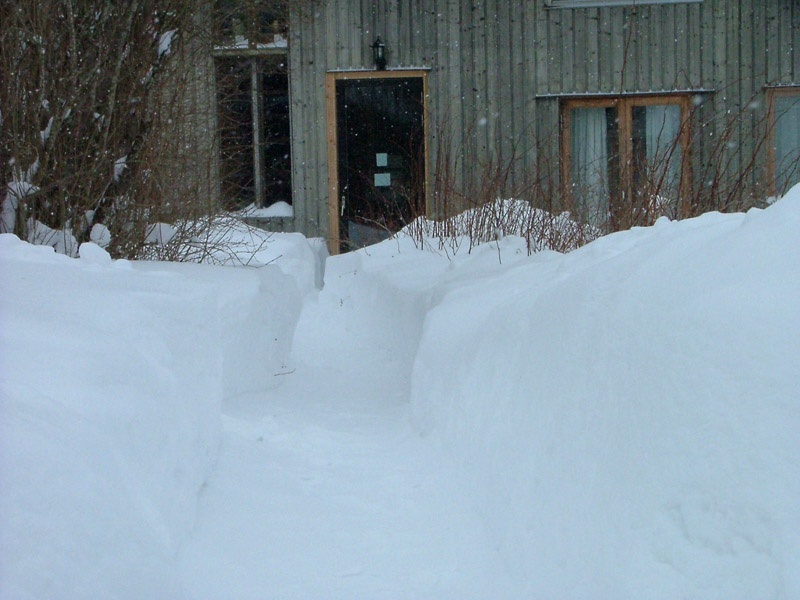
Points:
(379, 54)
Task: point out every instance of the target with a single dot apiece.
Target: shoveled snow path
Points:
(324, 490)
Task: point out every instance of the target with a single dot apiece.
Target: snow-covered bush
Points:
(100, 235)
(540, 229)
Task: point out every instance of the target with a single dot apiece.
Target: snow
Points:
(44, 135)
(228, 241)
(113, 374)
(638, 396)
(61, 240)
(165, 42)
(241, 41)
(100, 235)
(617, 422)
(16, 190)
(159, 233)
(119, 166)
(278, 209)
(504, 217)
(93, 253)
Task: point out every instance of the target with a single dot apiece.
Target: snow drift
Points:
(628, 414)
(111, 379)
(625, 416)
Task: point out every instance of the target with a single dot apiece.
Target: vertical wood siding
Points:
(498, 68)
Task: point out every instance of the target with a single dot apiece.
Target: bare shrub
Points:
(715, 159)
(213, 239)
(498, 200)
(84, 86)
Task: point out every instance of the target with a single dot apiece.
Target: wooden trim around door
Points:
(333, 151)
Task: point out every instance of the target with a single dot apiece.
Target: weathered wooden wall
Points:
(498, 69)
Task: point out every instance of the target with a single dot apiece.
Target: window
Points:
(623, 158)
(588, 3)
(784, 149)
(252, 81)
(250, 23)
(253, 113)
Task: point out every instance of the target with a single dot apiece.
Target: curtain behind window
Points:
(662, 127)
(590, 163)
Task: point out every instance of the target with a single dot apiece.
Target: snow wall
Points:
(628, 415)
(111, 381)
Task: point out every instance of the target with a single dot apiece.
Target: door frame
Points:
(333, 142)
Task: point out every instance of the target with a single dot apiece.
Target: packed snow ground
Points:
(619, 422)
(324, 490)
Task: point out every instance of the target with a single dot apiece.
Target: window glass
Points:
(254, 127)
(787, 142)
(594, 153)
(277, 149)
(624, 163)
(235, 114)
(656, 152)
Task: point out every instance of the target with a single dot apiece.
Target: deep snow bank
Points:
(376, 299)
(379, 296)
(629, 414)
(111, 379)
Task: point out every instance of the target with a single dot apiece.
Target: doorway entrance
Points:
(376, 155)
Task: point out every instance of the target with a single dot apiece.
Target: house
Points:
(362, 114)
